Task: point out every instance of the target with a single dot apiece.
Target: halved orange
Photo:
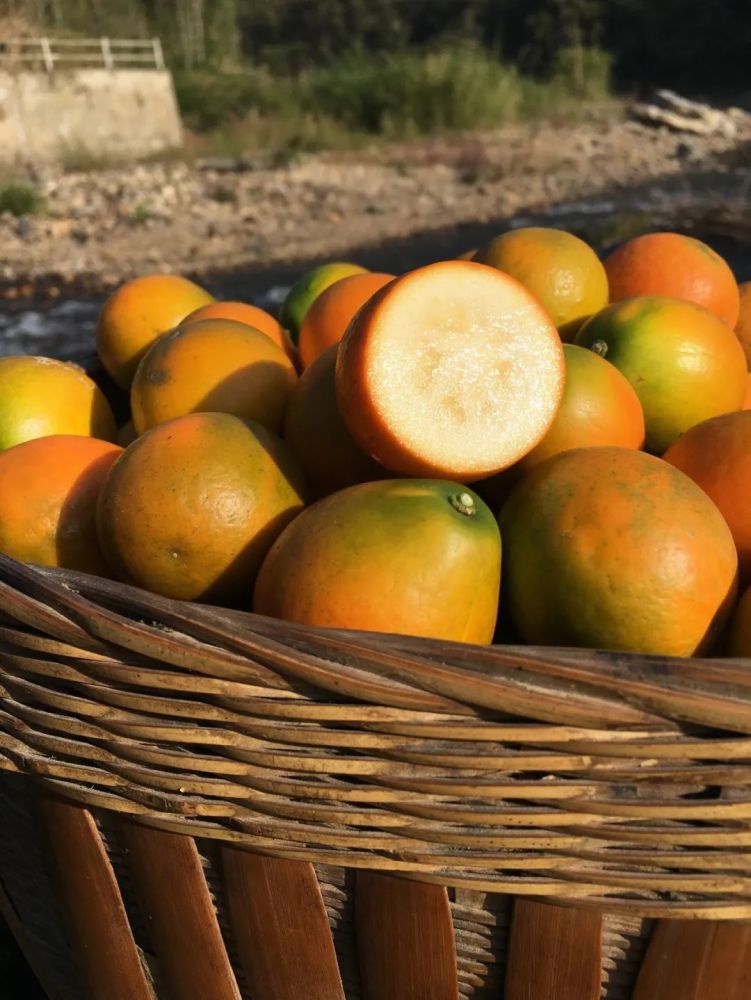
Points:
(454, 370)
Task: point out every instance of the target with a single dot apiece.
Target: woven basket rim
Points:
(575, 775)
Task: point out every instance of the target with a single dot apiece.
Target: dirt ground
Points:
(236, 216)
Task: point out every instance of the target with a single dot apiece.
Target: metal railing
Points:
(50, 54)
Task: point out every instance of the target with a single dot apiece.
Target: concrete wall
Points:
(117, 113)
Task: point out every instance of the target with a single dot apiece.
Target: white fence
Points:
(50, 54)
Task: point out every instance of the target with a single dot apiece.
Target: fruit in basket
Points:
(599, 407)
(306, 290)
(560, 270)
(139, 312)
(685, 364)
(317, 435)
(615, 549)
(48, 495)
(743, 326)
(419, 557)
(716, 454)
(214, 365)
(330, 314)
(41, 396)
(453, 370)
(244, 312)
(678, 266)
(190, 509)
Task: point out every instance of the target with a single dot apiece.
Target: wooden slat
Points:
(405, 939)
(554, 953)
(99, 927)
(696, 960)
(280, 927)
(167, 871)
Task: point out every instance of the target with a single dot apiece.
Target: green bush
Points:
(208, 100)
(418, 93)
(458, 86)
(19, 199)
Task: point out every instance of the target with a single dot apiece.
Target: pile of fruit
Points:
(366, 460)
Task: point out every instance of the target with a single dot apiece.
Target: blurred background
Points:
(240, 140)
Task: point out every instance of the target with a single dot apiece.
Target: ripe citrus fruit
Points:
(560, 270)
(40, 396)
(306, 290)
(418, 557)
(674, 265)
(739, 631)
(684, 363)
(615, 549)
(48, 495)
(244, 312)
(453, 370)
(716, 454)
(212, 365)
(191, 508)
(599, 407)
(330, 314)
(743, 326)
(136, 314)
(746, 404)
(317, 435)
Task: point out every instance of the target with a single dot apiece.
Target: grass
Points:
(20, 198)
(79, 159)
(364, 96)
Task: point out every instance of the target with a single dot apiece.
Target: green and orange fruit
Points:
(418, 557)
(611, 548)
(684, 363)
(190, 509)
(561, 270)
(678, 266)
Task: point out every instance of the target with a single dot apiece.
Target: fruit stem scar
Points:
(599, 347)
(464, 503)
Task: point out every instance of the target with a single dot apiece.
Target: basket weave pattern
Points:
(610, 782)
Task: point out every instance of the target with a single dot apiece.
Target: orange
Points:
(190, 509)
(678, 266)
(746, 404)
(317, 435)
(136, 314)
(243, 312)
(716, 454)
(330, 314)
(306, 290)
(453, 371)
(48, 495)
(419, 557)
(212, 365)
(739, 632)
(599, 407)
(743, 325)
(684, 363)
(40, 396)
(560, 270)
(611, 548)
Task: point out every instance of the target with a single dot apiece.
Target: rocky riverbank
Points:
(98, 228)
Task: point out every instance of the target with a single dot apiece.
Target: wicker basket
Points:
(201, 804)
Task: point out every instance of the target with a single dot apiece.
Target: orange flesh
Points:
(453, 370)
